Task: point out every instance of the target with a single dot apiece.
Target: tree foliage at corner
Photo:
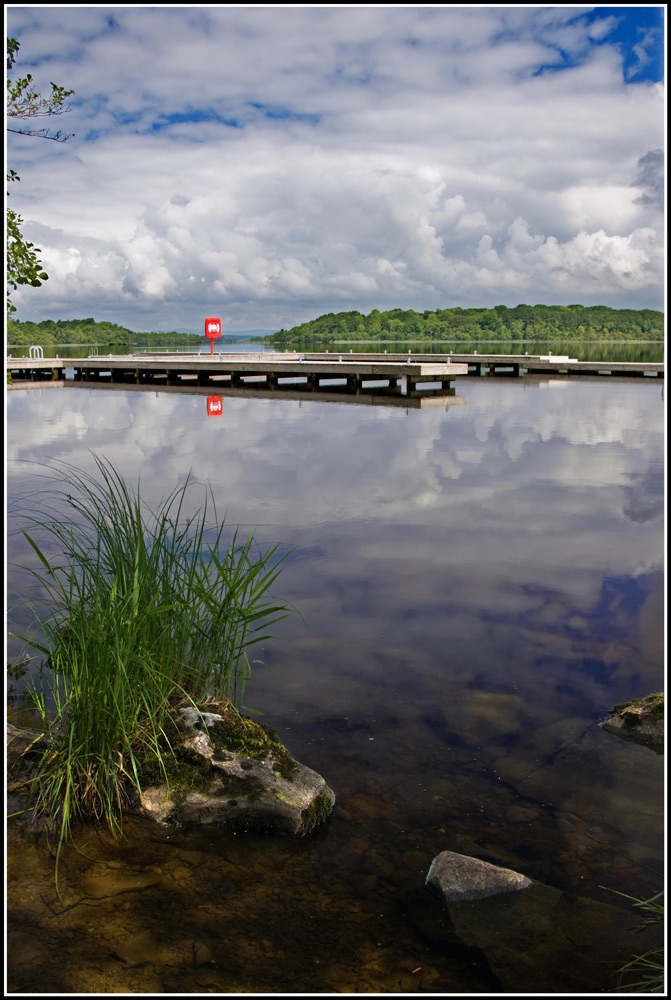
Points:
(24, 103)
(23, 265)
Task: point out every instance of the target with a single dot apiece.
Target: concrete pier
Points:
(312, 370)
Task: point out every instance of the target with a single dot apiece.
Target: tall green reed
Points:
(145, 609)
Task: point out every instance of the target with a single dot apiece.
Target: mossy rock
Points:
(240, 735)
(640, 720)
(234, 772)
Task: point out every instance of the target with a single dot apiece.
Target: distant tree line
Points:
(521, 323)
(88, 331)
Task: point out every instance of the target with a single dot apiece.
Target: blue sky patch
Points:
(639, 35)
(192, 117)
(285, 114)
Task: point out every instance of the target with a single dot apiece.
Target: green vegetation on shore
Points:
(521, 323)
(88, 331)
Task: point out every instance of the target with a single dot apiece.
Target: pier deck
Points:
(521, 364)
(314, 369)
(239, 369)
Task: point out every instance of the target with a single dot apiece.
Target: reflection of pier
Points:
(372, 396)
(356, 372)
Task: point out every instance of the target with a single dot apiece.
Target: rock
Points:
(541, 940)
(235, 773)
(224, 769)
(640, 720)
(619, 782)
(458, 877)
(136, 949)
(545, 940)
(20, 741)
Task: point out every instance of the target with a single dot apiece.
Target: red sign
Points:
(213, 327)
(212, 330)
(215, 406)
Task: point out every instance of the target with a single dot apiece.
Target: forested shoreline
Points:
(521, 323)
(88, 331)
(502, 324)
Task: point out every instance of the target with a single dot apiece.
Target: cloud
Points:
(283, 162)
(650, 178)
(515, 454)
(648, 40)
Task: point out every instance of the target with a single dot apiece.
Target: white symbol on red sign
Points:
(213, 327)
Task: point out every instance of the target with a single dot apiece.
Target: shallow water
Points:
(475, 587)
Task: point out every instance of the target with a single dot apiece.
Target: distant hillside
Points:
(520, 323)
(88, 331)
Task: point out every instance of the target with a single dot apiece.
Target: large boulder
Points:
(640, 720)
(233, 772)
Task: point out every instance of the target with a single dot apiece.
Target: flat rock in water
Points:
(237, 775)
(457, 877)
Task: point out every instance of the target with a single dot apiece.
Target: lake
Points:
(475, 586)
(587, 350)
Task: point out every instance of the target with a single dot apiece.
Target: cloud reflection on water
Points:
(476, 585)
(530, 489)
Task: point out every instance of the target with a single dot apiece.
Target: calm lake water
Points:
(476, 583)
(581, 350)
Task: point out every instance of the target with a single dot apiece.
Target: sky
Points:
(271, 164)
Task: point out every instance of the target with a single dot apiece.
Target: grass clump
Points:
(146, 609)
(646, 973)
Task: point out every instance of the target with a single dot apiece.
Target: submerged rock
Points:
(235, 773)
(539, 940)
(457, 877)
(640, 720)
(20, 741)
